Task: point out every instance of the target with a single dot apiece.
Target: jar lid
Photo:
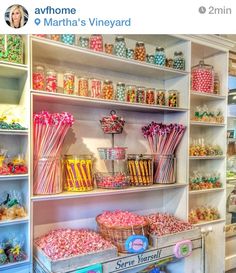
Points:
(83, 38)
(129, 50)
(119, 38)
(178, 53)
(150, 56)
(202, 64)
(139, 43)
(39, 67)
(69, 73)
(83, 78)
(108, 44)
(140, 87)
(160, 48)
(50, 70)
(121, 83)
(107, 81)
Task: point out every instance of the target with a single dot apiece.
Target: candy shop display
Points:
(120, 46)
(150, 96)
(51, 81)
(140, 52)
(141, 94)
(109, 48)
(120, 91)
(96, 42)
(203, 114)
(131, 93)
(39, 77)
(140, 169)
(116, 226)
(83, 42)
(204, 213)
(83, 87)
(204, 181)
(130, 53)
(78, 174)
(112, 124)
(69, 83)
(68, 39)
(49, 131)
(199, 148)
(173, 98)
(179, 61)
(12, 48)
(70, 249)
(17, 165)
(95, 88)
(112, 180)
(107, 90)
(202, 76)
(163, 141)
(160, 97)
(160, 56)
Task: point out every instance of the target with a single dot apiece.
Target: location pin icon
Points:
(37, 21)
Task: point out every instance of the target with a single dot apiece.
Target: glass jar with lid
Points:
(173, 98)
(131, 93)
(160, 56)
(141, 94)
(95, 88)
(179, 61)
(83, 41)
(202, 76)
(38, 77)
(51, 80)
(169, 62)
(96, 42)
(150, 59)
(54, 37)
(150, 95)
(83, 87)
(161, 97)
(216, 84)
(109, 48)
(120, 46)
(107, 90)
(68, 39)
(140, 52)
(120, 91)
(130, 53)
(69, 82)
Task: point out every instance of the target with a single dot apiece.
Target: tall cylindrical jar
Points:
(69, 83)
(38, 78)
(120, 91)
(141, 94)
(120, 46)
(131, 93)
(140, 51)
(160, 56)
(83, 41)
(173, 98)
(150, 95)
(51, 80)
(83, 87)
(107, 90)
(95, 88)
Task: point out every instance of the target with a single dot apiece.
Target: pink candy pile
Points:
(163, 224)
(120, 218)
(64, 243)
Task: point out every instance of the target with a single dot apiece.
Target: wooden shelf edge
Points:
(213, 96)
(205, 223)
(212, 124)
(205, 191)
(14, 132)
(206, 157)
(14, 177)
(14, 222)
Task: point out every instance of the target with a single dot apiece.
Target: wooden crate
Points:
(73, 263)
(172, 239)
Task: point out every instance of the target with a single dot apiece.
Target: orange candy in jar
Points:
(107, 90)
(96, 42)
(150, 95)
(83, 89)
(140, 52)
(95, 88)
(109, 48)
(55, 37)
(69, 83)
(38, 78)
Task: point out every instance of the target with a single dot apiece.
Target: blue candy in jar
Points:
(68, 39)
(160, 56)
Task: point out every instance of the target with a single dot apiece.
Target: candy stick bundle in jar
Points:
(49, 133)
(163, 140)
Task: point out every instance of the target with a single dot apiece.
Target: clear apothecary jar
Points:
(161, 97)
(173, 98)
(38, 78)
(131, 93)
(150, 59)
(83, 41)
(51, 80)
(130, 53)
(120, 46)
(141, 94)
(83, 87)
(160, 56)
(107, 90)
(179, 61)
(96, 42)
(140, 52)
(120, 91)
(69, 83)
(140, 168)
(202, 78)
(95, 88)
(68, 39)
(150, 95)
(109, 48)
(78, 173)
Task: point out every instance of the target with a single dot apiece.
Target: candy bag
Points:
(3, 256)
(15, 252)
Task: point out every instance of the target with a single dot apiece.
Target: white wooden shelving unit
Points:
(13, 89)
(80, 209)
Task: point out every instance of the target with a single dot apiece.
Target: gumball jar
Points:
(96, 42)
(83, 41)
(68, 39)
(120, 46)
(120, 91)
(179, 61)
(38, 78)
(140, 52)
(160, 56)
(107, 90)
(130, 53)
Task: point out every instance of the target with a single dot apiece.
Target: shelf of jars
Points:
(14, 221)
(53, 50)
(202, 123)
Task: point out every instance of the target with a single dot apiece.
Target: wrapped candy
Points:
(3, 256)
(112, 124)
(14, 251)
(203, 213)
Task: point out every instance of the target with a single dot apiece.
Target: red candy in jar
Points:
(150, 95)
(38, 78)
(95, 88)
(96, 42)
(51, 81)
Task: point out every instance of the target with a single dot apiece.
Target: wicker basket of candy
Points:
(112, 124)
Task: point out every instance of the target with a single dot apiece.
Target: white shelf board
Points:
(12, 70)
(230, 262)
(206, 96)
(105, 192)
(42, 96)
(13, 177)
(206, 157)
(14, 132)
(204, 223)
(205, 191)
(52, 50)
(211, 124)
(231, 179)
(13, 265)
(14, 222)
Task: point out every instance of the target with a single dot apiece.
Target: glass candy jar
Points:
(216, 84)
(109, 48)
(120, 46)
(173, 98)
(150, 59)
(131, 93)
(130, 53)
(140, 51)
(150, 95)
(83, 42)
(141, 94)
(51, 81)
(120, 91)
(161, 97)
(38, 78)
(69, 83)
(95, 88)
(107, 90)
(68, 39)
(96, 42)
(179, 61)
(160, 56)
(83, 88)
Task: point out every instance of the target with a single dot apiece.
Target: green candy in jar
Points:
(3, 53)
(120, 46)
(120, 91)
(83, 42)
(68, 39)
(160, 56)
(130, 53)
(141, 94)
(179, 61)
(15, 48)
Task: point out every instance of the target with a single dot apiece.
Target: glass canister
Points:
(14, 48)
(150, 95)
(173, 98)
(83, 41)
(109, 48)
(96, 42)
(140, 169)
(179, 61)
(69, 83)
(140, 51)
(160, 56)
(169, 63)
(161, 97)
(54, 37)
(120, 46)
(83, 87)
(38, 78)
(95, 88)
(216, 84)
(150, 59)
(120, 91)
(141, 94)
(202, 77)
(3, 53)
(78, 174)
(131, 93)
(107, 90)
(51, 80)
(130, 53)
(68, 39)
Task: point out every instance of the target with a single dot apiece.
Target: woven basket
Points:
(112, 124)
(118, 235)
